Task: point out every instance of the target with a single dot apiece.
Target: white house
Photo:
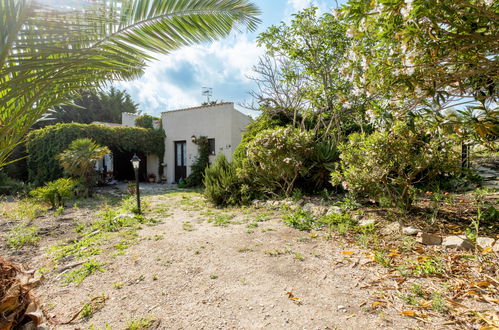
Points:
(222, 124)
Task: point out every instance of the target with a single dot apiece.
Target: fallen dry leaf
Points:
(409, 313)
(347, 253)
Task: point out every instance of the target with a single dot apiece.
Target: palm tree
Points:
(48, 53)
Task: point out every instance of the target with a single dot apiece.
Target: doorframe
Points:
(184, 159)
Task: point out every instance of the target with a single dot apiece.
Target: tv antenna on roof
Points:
(208, 92)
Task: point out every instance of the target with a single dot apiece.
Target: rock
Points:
(457, 242)
(485, 242)
(341, 307)
(357, 217)
(319, 211)
(392, 228)
(124, 215)
(308, 207)
(410, 231)
(367, 222)
(430, 239)
(496, 247)
(334, 210)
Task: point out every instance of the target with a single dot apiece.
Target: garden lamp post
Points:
(135, 163)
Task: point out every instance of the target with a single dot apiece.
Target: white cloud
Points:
(174, 81)
(297, 5)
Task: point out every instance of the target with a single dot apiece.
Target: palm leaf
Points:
(48, 54)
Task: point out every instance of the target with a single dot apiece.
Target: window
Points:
(212, 146)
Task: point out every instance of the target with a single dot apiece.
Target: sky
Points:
(175, 81)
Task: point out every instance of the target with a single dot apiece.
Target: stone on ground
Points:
(410, 231)
(485, 242)
(367, 222)
(392, 228)
(458, 242)
(431, 239)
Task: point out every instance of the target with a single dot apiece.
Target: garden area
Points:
(363, 195)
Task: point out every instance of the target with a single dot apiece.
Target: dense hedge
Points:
(44, 144)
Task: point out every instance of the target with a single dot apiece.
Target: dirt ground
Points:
(206, 268)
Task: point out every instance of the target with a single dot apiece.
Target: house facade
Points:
(222, 124)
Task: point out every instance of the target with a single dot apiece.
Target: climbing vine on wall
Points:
(44, 144)
(201, 163)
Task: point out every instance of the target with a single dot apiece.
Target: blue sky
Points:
(175, 81)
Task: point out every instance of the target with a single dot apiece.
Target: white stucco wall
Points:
(128, 119)
(221, 122)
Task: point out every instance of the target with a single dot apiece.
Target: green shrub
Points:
(43, 145)
(10, 186)
(276, 158)
(22, 235)
(323, 160)
(200, 164)
(145, 121)
(79, 161)
(222, 184)
(301, 220)
(56, 193)
(388, 164)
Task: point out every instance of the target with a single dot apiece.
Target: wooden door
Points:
(180, 160)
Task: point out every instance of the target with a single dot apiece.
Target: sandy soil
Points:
(226, 277)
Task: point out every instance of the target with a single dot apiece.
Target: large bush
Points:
(276, 158)
(223, 186)
(44, 144)
(388, 164)
(79, 161)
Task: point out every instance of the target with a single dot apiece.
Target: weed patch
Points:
(22, 235)
(88, 268)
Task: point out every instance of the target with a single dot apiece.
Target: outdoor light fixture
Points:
(136, 163)
(193, 138)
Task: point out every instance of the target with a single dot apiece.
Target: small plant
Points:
(88, 268)
(140, 324)
(55, 193)
(213, 276)
(187, 226)
(341, 223)
(59, 211)
(438, 302)
(301, 220)
(417, 289)
(298, 256)
(22, 235)
(221, 220)
(118, 285)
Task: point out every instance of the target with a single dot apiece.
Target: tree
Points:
(48, 54)
(427, 54)
(307, 56)
(79, 161)
(105, 106)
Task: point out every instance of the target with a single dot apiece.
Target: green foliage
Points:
(44, 144)
(103, 106)
(301, 220)
(341, 223)
(79, 161)
(140, 324)
(201, 163)
(56, 193)
(427, 53)
(323, 160)
(88, 268)
(22, 235)
(85, 46)
(223, 186)
(276, 159)
(310, 51)
(10, 186)
(145, 121)
(388, 164)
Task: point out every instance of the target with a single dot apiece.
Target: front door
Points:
(180, 161)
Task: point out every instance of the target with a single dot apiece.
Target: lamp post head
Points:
(135, 161)
(193, 139)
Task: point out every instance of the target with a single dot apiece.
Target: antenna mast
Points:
(208, 92)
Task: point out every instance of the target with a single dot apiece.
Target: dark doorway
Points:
(123, 170)
(180, 161)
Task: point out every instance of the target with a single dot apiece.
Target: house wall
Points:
(221, 122)
(128, 119)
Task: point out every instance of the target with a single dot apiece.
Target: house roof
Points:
(199, 107)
